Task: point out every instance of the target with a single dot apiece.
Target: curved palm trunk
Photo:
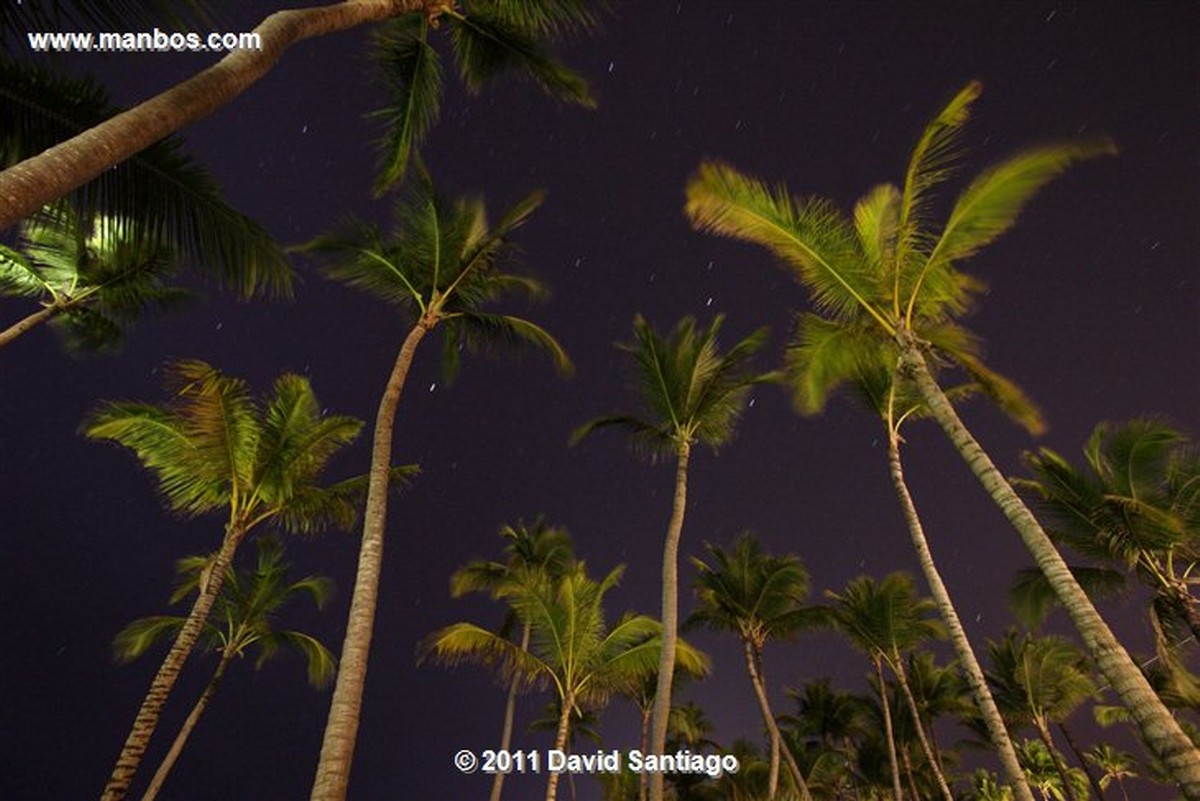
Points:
(560, 743)
(670, 619)
(510, 712)
(337, 747)
(147, 717)
(1159, 730)
(185, 731)
(877, 661)
(26, 324)
(754, 668)
(31, 184)
(980, 693)
(902, 676)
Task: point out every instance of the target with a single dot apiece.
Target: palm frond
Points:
(466, 642)
(1031, 597)
(479, 331)
(809, 236)
(18, 276)
(553, 18)
(143, 634)
(825, 355)
(488, 46)
(321, 664)
(413, 73)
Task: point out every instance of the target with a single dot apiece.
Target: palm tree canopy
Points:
(572, 646)
(487, 39)
(158, 199)
(529, 548)
(756, 594)
(98, 279)
(1038, 677)
(244, 614)
(884, 268)
(213, 446)
(883, 617)
(690, 392)
(443, 264)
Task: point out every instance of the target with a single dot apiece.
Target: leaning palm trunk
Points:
(1056, 756)
(26, 324)
(1083, 763)
(185, 731)
(980, 693)
(31, 184)
(560, 743)
(885, 705)
(510, 712)
(754, 668)
(147, 717)
(930, 757)
(337, 748)
(1159, 730)
(670, 619)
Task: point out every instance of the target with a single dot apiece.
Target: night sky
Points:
(1093, 308)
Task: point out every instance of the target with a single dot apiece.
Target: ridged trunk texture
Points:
(888, 731)
(1159, 730)
(185, 731)
(28, 185)
(560, 743)
(926, 749)
(341, 730)
(980, 693)
(147, 717)
(510, 712)
(758, 680)
(670, 619)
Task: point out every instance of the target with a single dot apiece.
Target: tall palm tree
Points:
(1134, 507)
(889, 275)
(92, 283)
(488, 38)
(160, 199)
(443, 268)
(823, 358)
(691, 394)
(1041, 681)
(243, 620)
(759, 597)
(530, 551)
(886, 619)
(572, 646)
(1043, 773)
(1116, 765)
(212, 447)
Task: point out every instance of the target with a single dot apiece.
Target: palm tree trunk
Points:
(1083, 763)
(754, 668)
(877, 661)
(147, 717)
(560, 743)
(982, 695)
(1060, 762)
(185, 731)
(644, 744)
(1159, 729)
(938, 773)
(337, 748)
(908, 773)
(510, 712)
(23, 325)
(31, 184)
(670, 619)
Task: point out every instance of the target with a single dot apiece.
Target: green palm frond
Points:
(554, 18)
(826, 354)
(487, 46)
(1044, 677)
(467, 642)
(220, 418)
(322, 666)
(18, 276)
(143, 634)
(884, 616)
(412, 71)
(164, 197)
(809, 236)
(478, 331)
(877, 224)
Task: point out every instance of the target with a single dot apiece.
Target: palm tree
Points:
(1042, 772)
(244, 613)
(571, 648)
(1040, 681)
(1136, 507)
(442, 268)
(212, 447)
(884, 620)
(889, 276)
(823, 358)
(488, 38)
(160, 199)
(691, 394)
(1115, 764)
(530, 551)
(93, 283)
(831, 721)
(759, 597)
